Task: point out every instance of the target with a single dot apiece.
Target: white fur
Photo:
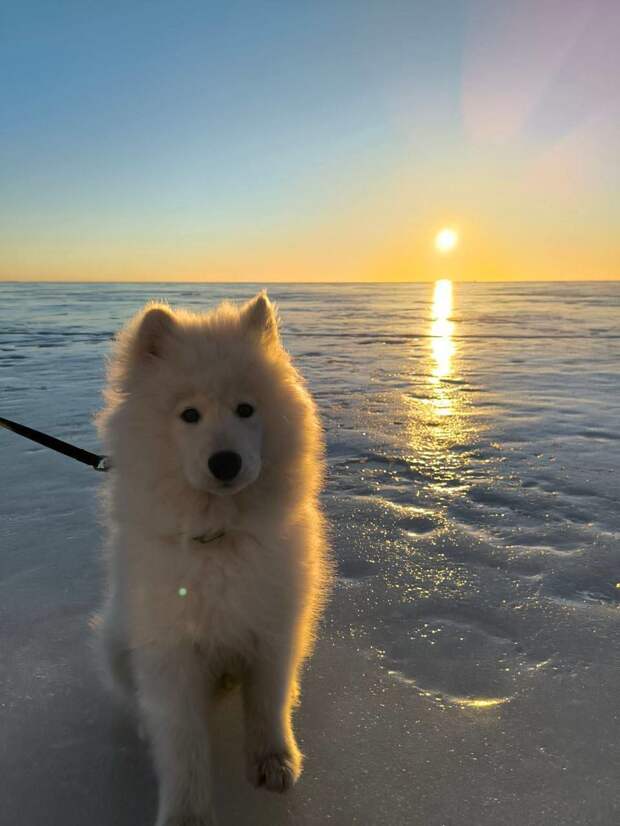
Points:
(183, 617)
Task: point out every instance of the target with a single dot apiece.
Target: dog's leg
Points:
(113, 654)
(269, 693)
(173, 696)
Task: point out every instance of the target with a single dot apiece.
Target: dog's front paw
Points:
(276, 772)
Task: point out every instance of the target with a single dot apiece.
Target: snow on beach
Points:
(469, 662)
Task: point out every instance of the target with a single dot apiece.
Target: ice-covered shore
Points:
(469, 662)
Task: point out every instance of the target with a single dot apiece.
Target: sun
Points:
(446, 240)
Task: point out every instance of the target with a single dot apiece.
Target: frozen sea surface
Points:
(469, 664)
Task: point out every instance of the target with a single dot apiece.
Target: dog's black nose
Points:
(225, 465)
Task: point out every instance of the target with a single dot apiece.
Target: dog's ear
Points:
(156, 325)
(259, 315)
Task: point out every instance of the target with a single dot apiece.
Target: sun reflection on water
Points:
(442, 328)
(440, 427)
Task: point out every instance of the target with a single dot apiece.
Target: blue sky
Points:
(217, 134)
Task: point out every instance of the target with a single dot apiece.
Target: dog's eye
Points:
(190, 415)
(244, 410)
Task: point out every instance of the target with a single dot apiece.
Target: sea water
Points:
(469, 662)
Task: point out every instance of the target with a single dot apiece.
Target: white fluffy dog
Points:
(217, 555)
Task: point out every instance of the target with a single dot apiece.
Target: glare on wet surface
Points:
(438, 409)
(462, 462)
(483, 703)
(442, 328)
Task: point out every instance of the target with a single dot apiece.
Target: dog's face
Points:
(219, 440)
(212, 386)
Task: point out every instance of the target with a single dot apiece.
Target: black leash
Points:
(92, 459)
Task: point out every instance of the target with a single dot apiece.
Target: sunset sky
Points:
(303, 141)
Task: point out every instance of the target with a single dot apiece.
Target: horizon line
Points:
(386, 281)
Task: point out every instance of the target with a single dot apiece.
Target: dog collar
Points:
(205, 538)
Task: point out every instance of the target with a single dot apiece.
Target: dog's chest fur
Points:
(223, 595)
